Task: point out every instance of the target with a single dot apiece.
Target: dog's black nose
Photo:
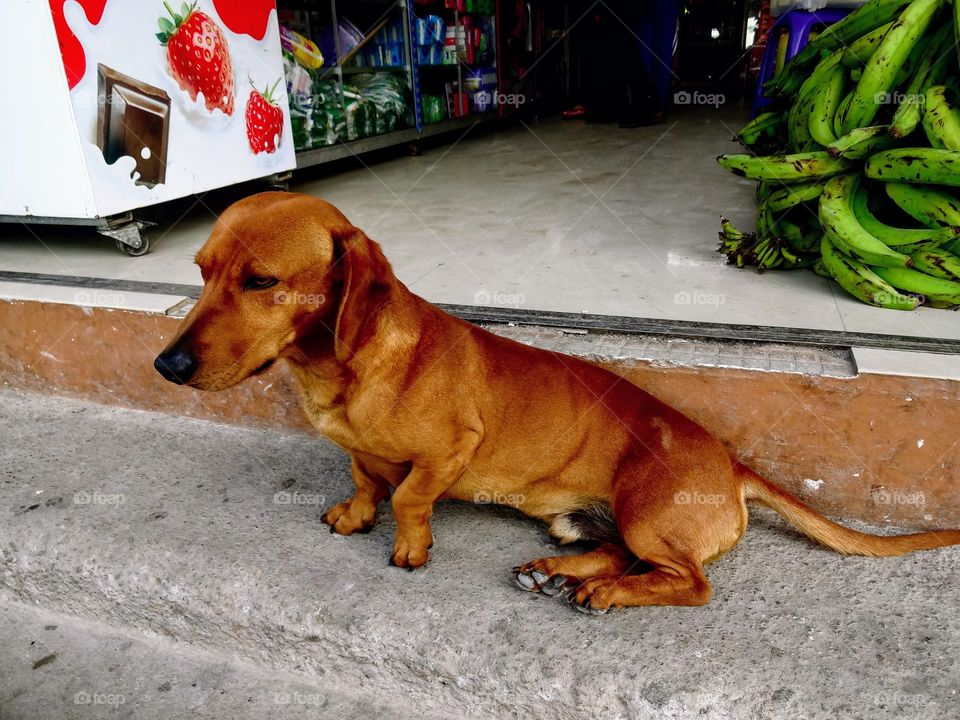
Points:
(176, 365)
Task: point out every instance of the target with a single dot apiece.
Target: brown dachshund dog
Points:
(435, 408)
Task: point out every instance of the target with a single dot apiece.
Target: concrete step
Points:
(68, 668)
(209, 535)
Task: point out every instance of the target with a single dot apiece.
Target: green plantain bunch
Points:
(858, 161)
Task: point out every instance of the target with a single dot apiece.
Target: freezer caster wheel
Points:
(129, 237)
(135, 251)
(280, 181)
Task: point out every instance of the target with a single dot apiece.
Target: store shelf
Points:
(370, 69)
(340, 150)
(337, 151)
(452, 124)
(433, 75)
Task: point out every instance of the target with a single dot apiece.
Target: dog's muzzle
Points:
(176, 365)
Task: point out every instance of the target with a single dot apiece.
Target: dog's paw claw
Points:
(553, 586)
(538, 581)
(585, 606)
(524, 581)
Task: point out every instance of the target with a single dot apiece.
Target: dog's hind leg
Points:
(672, 581)
(675, 518)
(359, 513)
(550, 575)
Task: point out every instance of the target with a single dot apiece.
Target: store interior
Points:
(563, 201)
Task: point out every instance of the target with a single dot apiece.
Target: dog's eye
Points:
(258, 282)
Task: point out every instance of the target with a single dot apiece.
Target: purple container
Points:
(350, 37)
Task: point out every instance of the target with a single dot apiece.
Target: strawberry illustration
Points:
(264, 120)
(198, 57)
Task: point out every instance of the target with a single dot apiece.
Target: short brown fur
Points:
(433, 407)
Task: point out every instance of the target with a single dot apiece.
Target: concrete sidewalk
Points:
(59, 667)
(210, 536)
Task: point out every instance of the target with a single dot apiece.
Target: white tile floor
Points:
(559, 216)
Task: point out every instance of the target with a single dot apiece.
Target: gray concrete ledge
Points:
(667, 351)
(60, 667)
(174, 528)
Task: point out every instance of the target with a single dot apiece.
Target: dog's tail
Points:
(834, 536)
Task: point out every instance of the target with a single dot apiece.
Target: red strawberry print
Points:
(198, 57)
(264, 120)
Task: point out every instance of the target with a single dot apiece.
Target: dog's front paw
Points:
(410, 555)
(350, 517)
(594, 596)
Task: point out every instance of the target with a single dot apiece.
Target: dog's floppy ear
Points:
(367, 281)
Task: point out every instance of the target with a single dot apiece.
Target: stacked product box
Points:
(481, 86)
(428, 40)
(433, 109)
(472, 40)
(481, 7)
(458, 102)
(385, 49)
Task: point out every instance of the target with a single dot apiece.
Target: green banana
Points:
(792, 261)
(930, 69)
(766, 225)
(917, 165)
(857, 53)
(798, 167)
(769, 256)
(798, 116)
(938, 263)
(928, 206)
(841, 226)
(909, 66)
(764, 124)
(860, 281)
(798, 239)
(943, 291)
(825, 103)
(736, 245)
(865, 18)
(820, 269)
(907, 116)
(935, 239)
(765, 249)
(860, 143)
(787, 82)
(838, 116)
(799, 138)
(727, 229)
(956, 25)
(880, 72)
(952, 247)
(941, 118)
(905, 240)
(934, 141)
(788, 196)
